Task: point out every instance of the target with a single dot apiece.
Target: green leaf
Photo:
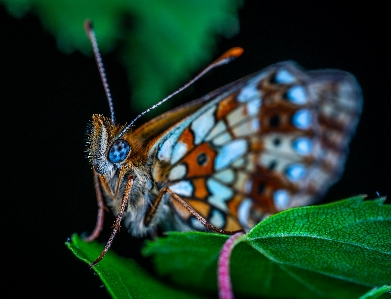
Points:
(123, 278)
(349, 239)
(376, 292)
(336, 250)
(165, 41)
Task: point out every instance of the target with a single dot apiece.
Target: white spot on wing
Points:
(226, 176)
(250, 166)
(281, 199)
(217, 129)
(238, 163)
(196, 224)
(280, 162)
(246, 128)
(165, 150)
(241, 180)
(178, 172)
(166, 147)
(222, 139)
(248, 92)
(255, 124)
(236, 116)
(202, 125)
(184, 188)
(179, 151)
(229, 153)
(244, 211)
(219, 194)
(217, 219)
(248, 186)
(254, 106)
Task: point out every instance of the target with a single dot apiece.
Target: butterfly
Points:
(270, 141)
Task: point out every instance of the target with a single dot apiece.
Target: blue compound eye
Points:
(118, 151)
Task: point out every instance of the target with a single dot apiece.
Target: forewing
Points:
(273, 140)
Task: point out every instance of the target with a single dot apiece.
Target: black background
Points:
(48, 97)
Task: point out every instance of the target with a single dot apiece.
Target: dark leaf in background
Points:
(160, 42)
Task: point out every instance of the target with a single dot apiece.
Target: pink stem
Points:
(223, 276)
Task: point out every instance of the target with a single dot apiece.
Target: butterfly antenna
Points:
(91, 36)
(228, 56)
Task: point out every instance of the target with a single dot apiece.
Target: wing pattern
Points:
(273, 140)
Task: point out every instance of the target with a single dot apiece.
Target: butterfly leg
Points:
(199, 217)
(190, 209)
(152, 211)
(101, 208)
(117, 222)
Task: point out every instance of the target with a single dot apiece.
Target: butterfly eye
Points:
(118, 151)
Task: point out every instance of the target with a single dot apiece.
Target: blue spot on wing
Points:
(284, 77)
(302, 119)
(297, 95)
(295, 172)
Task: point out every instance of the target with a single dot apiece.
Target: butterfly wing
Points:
(273, 140)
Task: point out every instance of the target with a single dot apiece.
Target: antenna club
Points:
(229, 55)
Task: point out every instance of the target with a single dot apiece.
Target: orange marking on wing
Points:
(181, 210)
(263, 185)
(233, 205)
(200, 189)
(256, 144)
(201, 207)
(200, 161)
(232, 224)
(262, 192)
(187, 138)
(226, 106)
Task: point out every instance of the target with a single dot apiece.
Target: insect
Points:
(272, 140)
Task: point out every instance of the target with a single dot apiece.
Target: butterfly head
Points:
(106, 152)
